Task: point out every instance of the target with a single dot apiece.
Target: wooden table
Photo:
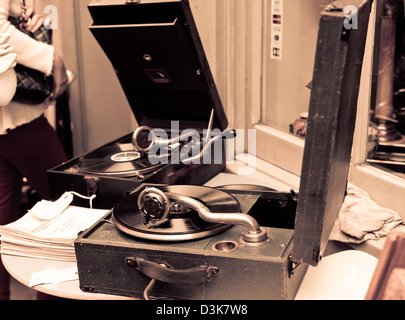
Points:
(344, 275)
(21, 269)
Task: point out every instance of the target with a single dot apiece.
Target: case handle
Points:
(165, 273)
(161, 272)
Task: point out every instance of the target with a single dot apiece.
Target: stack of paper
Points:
(48, 230)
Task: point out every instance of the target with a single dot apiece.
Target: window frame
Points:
(285, 151)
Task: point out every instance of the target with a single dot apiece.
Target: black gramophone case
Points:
(111, 261)
(159, 59)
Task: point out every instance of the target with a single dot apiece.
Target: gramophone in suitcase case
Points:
(232, 243)
(163, 70)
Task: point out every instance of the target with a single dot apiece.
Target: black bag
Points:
(33, 86)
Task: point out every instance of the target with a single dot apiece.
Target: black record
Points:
(178, 227)
(245, 188)
(117, 160)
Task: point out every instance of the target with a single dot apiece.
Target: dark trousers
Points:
(27, 151)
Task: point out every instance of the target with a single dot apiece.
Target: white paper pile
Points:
(48, 230)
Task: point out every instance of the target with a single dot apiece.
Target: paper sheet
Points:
(48, 230)
(51, 276)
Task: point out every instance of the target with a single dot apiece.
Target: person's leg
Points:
(33, 149)
(39, 150)
(10, 200)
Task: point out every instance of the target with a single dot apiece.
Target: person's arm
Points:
(30, 53)
(32, 24)
(8, 80)
(34, 54)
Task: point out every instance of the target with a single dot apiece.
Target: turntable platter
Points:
(117, 160)
(178, 227)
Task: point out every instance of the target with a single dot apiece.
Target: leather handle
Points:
(164, 273)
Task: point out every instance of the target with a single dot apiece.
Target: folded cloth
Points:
(8, 80)
(361, 219)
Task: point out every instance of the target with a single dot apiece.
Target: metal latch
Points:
(292, 267)
(92, 184)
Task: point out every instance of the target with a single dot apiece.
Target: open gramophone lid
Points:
(178, 227)
(116, 160)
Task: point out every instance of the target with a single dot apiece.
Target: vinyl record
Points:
(178, 227)
(245, 188)
(117, 160)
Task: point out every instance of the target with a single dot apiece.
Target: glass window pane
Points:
(295, 30)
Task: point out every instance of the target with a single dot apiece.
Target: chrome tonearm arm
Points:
(186, 158)
(154, 204)
(145, 138)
